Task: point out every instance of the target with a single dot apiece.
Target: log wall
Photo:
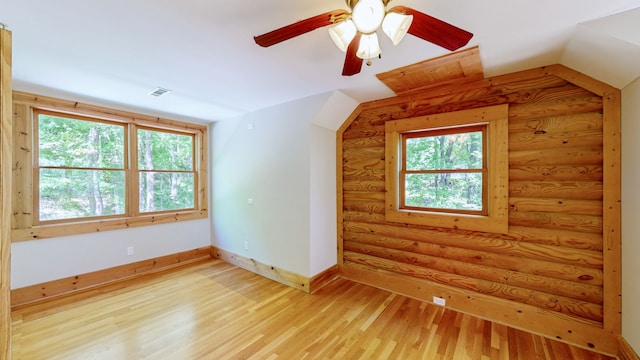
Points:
(556, 271)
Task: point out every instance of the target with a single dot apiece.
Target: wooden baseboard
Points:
(584, 334)
(323, 278)
(626, 352)
(74, 284)
(308, 285)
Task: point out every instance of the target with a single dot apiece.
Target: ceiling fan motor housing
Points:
(352, 3)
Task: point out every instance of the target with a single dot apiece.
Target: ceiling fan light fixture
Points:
(396, 26)
(367, 15)
(343, 33)
(369, 46)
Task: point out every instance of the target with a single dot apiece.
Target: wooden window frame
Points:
(497, 213)
(25, 225)
(439, 132)
(37, 167)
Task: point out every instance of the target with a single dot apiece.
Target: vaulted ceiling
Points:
(118, 51)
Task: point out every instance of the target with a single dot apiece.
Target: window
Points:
(82, 169)
(449, 170)
(444, 170)
(80, 166)
(165, 171)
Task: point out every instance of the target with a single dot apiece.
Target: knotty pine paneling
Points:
(552, 258)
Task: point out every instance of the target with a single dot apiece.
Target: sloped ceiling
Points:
(115, 52)
(607, 49)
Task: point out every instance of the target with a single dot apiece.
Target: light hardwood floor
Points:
(214, 310)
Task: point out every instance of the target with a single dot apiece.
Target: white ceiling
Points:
(117, 51)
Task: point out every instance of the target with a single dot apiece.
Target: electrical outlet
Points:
(250, 201)
(439, 301)
(130, 250)
(246, 245)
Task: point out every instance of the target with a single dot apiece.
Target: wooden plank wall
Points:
(556, 272)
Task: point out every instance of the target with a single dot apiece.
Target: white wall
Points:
(631, 214)
(323, 252)
(271, 163)
(38, 261)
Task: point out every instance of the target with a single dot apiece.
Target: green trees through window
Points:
(166, 176)
(444, 169)
(83, 168)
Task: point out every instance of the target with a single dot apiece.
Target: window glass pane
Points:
(158, 150)
(445, 152)
(66, 194)
(76, 143)
(453, 191)
(166, 191)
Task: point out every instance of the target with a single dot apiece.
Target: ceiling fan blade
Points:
(352, 63)
(434, 30)
(300, 27)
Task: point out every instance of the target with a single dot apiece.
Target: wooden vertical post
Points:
(612, 227)
(5, 192)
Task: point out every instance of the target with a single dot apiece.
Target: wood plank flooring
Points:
(214, 310)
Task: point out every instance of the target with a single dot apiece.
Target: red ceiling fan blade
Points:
(299, 28)
(434, 30)
(352, 63)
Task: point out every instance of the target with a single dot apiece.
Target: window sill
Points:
(85, 227)
(492, 224)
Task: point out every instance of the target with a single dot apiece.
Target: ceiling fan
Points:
(355, 32)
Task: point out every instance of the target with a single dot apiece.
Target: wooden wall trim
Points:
(74, 284)
(322, 279)
(5, 192)
(626, 352)
(612, 196)
(84, 109)
(285, 277)
(612, 207)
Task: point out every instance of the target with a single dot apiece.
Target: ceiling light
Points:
(343, 33)
(396, 26)
(369, 47)
(367, 15)
(366, 18)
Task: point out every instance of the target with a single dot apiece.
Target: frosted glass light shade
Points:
(396, 26)
(367, 15)
(342, 34)
(369, 46)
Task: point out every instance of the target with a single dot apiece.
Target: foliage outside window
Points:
(83, 170)
(166, 171)
(444, 170)
(449, 170)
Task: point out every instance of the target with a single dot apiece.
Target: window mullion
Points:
(133, 173)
